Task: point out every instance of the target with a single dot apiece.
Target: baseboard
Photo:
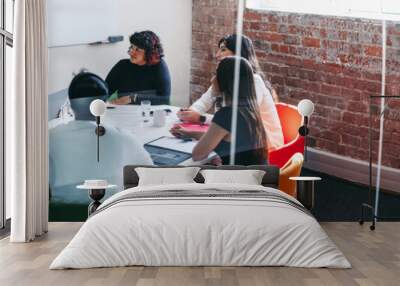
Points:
(351, 169)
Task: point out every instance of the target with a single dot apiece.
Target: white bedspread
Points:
(200, 231)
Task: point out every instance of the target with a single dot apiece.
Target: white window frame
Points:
(6, 39)
(371, 9)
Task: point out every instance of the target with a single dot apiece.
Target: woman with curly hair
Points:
(144, 75)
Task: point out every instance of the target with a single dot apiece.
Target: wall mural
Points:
(147, 96)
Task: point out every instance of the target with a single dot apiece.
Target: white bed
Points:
(184, 230)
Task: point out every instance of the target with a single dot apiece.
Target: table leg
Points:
(305, 193)
(96, 195)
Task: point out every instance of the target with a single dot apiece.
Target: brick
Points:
(269, 27)
(291, 40)
(254, 25)
(284, 49)
(371, 76)
(357, 106)
(312, 42)
(394, 103)
(252, 16)
(353, 141)
(354, 118)
(273, 18)
(272, 37)
(310, 64)
(351, 94)
(331, 68)
(278, 80)
(275, 47)
(331, 90)
(323, 33)
(293, 29)
(355, 49)
(373, 51)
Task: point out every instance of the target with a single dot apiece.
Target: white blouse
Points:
(269, 114)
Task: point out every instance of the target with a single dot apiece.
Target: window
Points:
(375, 9)
(6, 43)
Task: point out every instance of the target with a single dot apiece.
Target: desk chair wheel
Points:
(372, 227)
(361, 222)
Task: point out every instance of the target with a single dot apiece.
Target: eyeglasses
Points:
(133, 48)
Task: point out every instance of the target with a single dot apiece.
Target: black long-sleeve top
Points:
(127, 77)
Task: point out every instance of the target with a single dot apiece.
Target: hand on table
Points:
(216, 161)
(122, 100)
(188, 115)
(181, 132)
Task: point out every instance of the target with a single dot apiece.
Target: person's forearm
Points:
(204, 103)
(196, 135)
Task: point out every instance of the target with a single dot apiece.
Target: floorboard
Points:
(375, 257)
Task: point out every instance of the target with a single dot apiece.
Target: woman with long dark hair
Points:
(250, 133)
(144, 75)
(196, 113)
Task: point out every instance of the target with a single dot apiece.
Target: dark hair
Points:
(150, 43)
(248, 52)
(83, 89)
(247, 99)
(87, 84)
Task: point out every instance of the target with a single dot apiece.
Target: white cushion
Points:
(248, 177)
(166, 176)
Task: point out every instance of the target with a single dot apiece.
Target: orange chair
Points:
(291, 120)
(291, 169)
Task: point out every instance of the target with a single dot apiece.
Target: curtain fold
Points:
(27, 135)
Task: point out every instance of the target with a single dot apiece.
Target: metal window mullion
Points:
(2, 127)
(3, 14)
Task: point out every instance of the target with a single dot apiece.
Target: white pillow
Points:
(248, 177)
(166, 176)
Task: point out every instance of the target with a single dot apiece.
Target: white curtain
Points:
(26, 117)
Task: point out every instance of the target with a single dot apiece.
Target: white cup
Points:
(145, 105)
(159, 117)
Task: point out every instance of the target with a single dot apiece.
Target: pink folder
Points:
(194, 126)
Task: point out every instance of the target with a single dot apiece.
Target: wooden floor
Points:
(375, 257)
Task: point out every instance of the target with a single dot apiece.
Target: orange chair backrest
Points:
(291, 169)
(291, 120)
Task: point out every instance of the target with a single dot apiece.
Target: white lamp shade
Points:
(97, 107)
(305, 107)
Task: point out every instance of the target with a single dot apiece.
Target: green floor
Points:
(335, 200)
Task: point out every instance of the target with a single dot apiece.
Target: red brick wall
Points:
(336, 62)
(212, 19)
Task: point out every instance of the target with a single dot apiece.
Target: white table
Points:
(129, 118)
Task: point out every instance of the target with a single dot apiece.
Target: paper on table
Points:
(173, 143)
